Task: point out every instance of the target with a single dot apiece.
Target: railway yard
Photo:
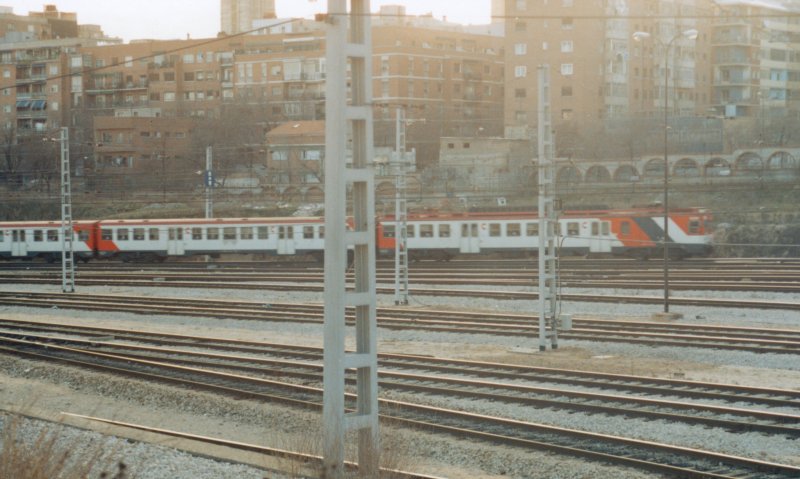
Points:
(189, 369)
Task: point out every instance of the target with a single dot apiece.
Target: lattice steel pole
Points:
(353, 49)
(400, 215)
(67, 230)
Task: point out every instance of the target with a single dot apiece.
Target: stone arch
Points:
(597, 174)
(569, 175)
(749, 164)
(717, 167)
(781, 160)
(654, 168)
(385, 189)
(686, 167)
(626, 174)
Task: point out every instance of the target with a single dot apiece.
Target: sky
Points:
(172, 19)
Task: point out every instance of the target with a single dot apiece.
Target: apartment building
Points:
(598, 71)
(756, 65)
(238, 15)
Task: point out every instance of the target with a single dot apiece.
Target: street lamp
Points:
(690, 34)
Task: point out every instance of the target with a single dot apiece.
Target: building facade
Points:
(237, 16)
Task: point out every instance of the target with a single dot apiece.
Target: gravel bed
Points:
(451, 458)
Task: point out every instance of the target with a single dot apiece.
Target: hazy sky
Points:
(131, 19)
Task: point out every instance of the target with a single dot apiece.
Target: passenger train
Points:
(637, 232)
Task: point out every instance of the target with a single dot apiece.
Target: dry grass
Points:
(34, 450)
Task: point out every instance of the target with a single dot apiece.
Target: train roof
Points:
(213, 221)
(42, 224)
(523, 215)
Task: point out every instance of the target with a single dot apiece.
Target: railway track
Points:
(756, 340)
(251, 378)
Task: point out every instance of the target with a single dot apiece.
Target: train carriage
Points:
(131, 240)
(635, 232)
(28, 240)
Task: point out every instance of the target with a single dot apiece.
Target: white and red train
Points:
(635, 232)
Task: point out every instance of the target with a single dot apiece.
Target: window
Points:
(566, 23)
(520, 48)
(520, 26)
(531, 229)
(606, 228)
(169, 96)
(83, 235)
(122, 234)
(520, 71)
(321, 232)
(566, 68)
(105, 234)
(52, 235)
(566, 46)
(410, 231)
(520, 93)
(513, 229)
(694, 227)
(573, 228)
(522, 5)
(175, 234)
(388, 231)
(263, 232)
(425, 231)
(444, 231)
(566, 90)
(494, 229)
(153, 234)
(308, 232)
(229, 233)
(138, 234)
(595, 228)
(625, 228)
(280, 155)
(197, 233)
(246, 232)
(188, 76)
(169, 76)
(212, 234)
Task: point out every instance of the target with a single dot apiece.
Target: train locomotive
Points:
(637, 232)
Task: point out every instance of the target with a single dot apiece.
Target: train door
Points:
(286, 240)
(19, 245)
(600, 242)
(175, 245)
(470, 243)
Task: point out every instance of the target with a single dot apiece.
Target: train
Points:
(635, 232)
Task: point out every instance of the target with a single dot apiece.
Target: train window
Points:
(321, 232)
(52, 235)
(37, 235)
(83, 235)
(175, 234)
(229, 233)
(388, 231)
(694, 227)
(153, 234)
(138, 234)
(573, 228)
(605, 228)
(263, 232)
(246, 232)
(2, 236)
(625, 228)
(531, 229)
(197, 234)
(595, 228)
(105, 234)
(513, 229)
(122, 234)
(444, 231)
(308, 232)
(426, 231)
(410, 231)
(494, 229)
(212, 233)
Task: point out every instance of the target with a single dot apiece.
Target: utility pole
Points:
(349, 47)
(67, 231)
(400, 214)
(548, 273)
(208, 179)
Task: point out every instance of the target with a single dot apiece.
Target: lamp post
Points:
(691, 34)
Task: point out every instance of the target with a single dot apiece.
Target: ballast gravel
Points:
(432, 454)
